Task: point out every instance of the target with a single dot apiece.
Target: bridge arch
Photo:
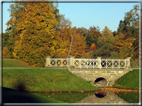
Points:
(101, 82)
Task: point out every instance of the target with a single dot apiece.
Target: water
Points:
(95, 97)
(103, 97)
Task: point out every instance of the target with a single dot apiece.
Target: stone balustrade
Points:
(88, 63)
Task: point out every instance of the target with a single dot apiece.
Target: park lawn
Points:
(14, 63)
(129, 80)
(15, 96)
(44, 80)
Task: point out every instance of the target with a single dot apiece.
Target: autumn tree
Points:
(5, 51)
(82, 31)
(63, 38)
(79, 44)
(15, 11)
(123, 45)
(63, 34)
(95, 31)
(36, 34)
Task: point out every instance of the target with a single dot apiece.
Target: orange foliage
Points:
(78, 44)
(93, 47)
(124, 45)
(5, 51)
(63, 39)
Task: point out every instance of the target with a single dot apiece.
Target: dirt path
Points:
(119, 90)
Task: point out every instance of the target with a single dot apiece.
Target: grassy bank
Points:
(131, 97)
(44, 80)
(66, 97)
(129, 80)
(14, 63)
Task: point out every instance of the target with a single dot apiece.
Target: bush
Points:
(134, 63)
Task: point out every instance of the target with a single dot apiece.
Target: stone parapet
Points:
(88, 63)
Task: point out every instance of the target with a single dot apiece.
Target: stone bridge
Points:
(99, 72)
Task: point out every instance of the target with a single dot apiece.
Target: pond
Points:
(100, 96)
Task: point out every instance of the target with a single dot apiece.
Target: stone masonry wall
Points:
(91, 75)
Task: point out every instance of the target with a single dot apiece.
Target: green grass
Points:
(15, 96)
(130, 97)
(47, 80)
(44, 80)
(129, 80)
(14, 63)
(67, 97)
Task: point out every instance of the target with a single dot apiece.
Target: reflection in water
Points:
(103, 97)
(100, 94)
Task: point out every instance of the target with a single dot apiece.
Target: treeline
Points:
(37, 30)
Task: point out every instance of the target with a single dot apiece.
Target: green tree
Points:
(58, 16)
(92, 36)
(107, 36)
(5, 39)
(121, 27)
(132, 20)
(105, 44)
(130, 27)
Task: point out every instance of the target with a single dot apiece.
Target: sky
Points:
(87, 14)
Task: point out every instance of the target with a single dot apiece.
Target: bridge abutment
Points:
(91, 75)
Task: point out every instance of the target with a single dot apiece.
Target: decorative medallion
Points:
(65, 62)
(122, 63)
(76, 62)
(109, 63)
(115, 63)
(59, 62)
(53, 62)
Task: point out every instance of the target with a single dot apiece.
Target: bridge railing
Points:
(88, 63)
(59, 62)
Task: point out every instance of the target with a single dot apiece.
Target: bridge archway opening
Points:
(101, 94)
(100, 82)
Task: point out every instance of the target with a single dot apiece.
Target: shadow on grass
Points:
(16, 96)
